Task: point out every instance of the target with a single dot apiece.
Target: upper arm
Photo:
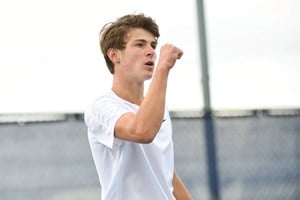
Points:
(126, 128)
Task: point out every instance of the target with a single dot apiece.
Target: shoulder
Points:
(106, 98)
(106, 106)
(104, 101)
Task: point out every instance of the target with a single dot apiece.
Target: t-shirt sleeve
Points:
(101, 119)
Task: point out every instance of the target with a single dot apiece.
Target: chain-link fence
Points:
(257, 158)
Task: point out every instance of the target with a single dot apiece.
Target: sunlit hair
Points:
(115, 34)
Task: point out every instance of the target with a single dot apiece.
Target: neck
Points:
(129, 91)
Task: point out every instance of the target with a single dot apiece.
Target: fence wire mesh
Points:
(258, 158)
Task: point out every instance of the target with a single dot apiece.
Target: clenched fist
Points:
(168, 56)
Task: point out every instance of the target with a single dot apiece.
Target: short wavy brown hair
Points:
(114, 34)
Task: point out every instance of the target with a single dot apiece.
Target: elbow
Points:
(147, 140)
(145, 133)
(145, 137)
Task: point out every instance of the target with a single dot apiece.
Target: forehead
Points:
(140, 34)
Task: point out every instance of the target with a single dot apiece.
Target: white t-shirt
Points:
(128, 170)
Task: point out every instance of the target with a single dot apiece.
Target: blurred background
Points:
(236, 128)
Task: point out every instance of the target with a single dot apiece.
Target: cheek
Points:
(131, 58)
(133, 61)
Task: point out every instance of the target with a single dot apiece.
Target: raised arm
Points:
(143, 126)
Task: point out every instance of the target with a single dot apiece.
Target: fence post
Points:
(209, 123)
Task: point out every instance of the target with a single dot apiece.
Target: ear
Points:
(113, 55)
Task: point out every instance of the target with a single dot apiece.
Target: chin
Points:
(147, 77)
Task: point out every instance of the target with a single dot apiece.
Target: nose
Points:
(150, 51)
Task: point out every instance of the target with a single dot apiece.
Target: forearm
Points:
(150, 115)
(180, 192)
(151, 110)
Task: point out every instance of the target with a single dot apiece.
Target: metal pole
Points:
(209, 123)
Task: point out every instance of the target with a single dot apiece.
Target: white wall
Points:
(254, 53)
(50, 59)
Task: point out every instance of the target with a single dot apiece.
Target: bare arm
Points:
(180, 191)
(143, 126)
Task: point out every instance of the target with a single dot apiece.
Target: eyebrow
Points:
(143, 40)
(153, 43)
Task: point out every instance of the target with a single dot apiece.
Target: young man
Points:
(130, 133)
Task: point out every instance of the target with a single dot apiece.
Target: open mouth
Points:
(150, 63)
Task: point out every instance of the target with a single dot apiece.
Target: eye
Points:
(154, 45)
(139, 44)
